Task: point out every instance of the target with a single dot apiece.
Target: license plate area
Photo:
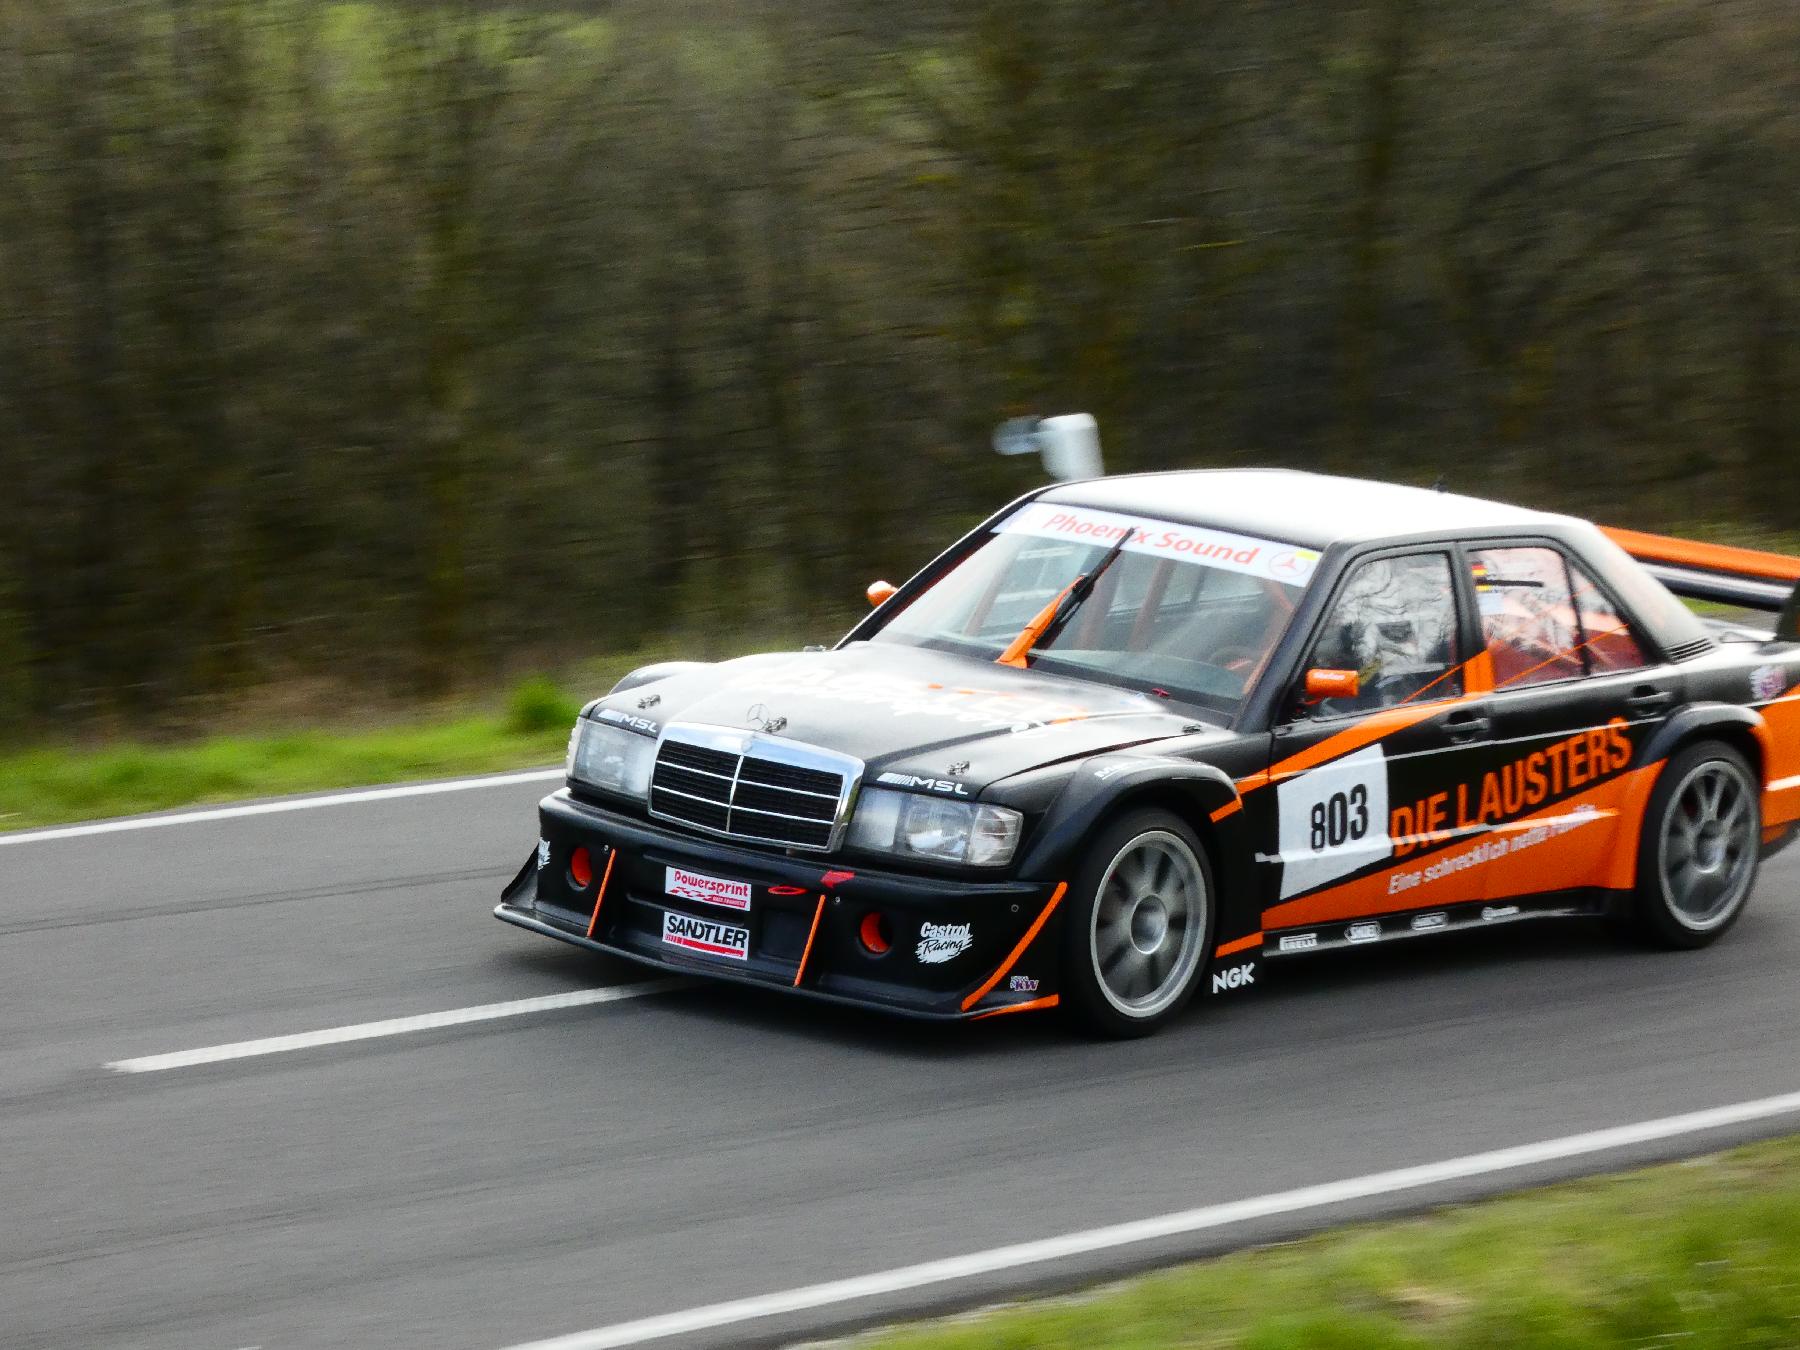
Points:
(705, 936)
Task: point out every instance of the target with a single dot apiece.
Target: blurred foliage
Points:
(1703, 1254)
(415, 345)
(537, 705)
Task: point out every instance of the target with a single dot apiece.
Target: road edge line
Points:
(714, 1316)
(122, 824)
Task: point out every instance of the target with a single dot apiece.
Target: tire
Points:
(1139, 926)
(1701, 846)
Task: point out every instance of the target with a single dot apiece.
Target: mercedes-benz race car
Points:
(1136, 738)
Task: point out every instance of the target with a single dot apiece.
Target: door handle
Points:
(1648, 700)
(1468, 726)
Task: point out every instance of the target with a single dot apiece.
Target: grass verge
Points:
(55, 786)
(59, 784)
(1700, 1254)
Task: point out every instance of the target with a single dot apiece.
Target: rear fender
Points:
(1723, 721)
(1699, 719)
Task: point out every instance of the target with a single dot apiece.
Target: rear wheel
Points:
(1140, 919)
(1701, 845)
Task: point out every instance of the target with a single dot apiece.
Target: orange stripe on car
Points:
(1376, 727)
(1230, 809)
(1242, 944)
(1710, 557)
(612, 856)
(1048, 1001)
(813, 932)
(1037, 925)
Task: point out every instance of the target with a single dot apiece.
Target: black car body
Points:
(1334, 712)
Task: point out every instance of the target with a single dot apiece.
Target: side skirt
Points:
(1343, 933)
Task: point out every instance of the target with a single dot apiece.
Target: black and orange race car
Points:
(1136, 737)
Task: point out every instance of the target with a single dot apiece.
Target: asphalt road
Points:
(484, 1184)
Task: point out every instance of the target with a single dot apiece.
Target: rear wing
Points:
(1746, 577)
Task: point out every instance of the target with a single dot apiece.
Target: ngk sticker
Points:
(706, 935)
(707, 890)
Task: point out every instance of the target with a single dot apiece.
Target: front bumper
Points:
(959, 949)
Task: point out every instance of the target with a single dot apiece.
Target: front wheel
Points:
(1701, 844)
(1139, 924)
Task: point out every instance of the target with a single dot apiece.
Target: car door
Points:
(1577, 691)
(1361, 791)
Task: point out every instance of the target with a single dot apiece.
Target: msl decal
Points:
(644, 726)
(916, 783)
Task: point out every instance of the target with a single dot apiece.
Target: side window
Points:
(1610, 643)
(1394, 624)
(1528, 616)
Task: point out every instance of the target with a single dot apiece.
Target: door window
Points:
(1544, 620)
(1394, 624)
(1607, 639)
(1528, 618)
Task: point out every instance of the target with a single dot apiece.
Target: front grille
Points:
(752, 787)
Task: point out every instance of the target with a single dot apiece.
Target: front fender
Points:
(1111, 783)
(660, 670)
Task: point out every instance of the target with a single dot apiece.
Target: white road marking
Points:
(716, 1315)
(393, 1026)
(275, 808)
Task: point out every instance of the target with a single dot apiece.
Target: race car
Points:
(1138, 737)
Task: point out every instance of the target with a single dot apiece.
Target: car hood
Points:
(932, 716)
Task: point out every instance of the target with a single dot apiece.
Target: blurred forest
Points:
(403, 345)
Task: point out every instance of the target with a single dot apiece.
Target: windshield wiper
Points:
(1049, 620)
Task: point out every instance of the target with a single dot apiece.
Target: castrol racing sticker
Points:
(1160, 538)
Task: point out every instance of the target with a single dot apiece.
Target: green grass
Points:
(1703, 1254)
(50, 786)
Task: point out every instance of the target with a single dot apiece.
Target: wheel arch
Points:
(1743, 729)
(1202, 796)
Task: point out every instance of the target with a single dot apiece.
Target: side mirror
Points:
(880, 592)
(1324, 684)
(1069, 445)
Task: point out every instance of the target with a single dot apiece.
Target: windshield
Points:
(1187, 612)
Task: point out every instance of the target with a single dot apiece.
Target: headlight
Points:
(611, 758)
(937, 829)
